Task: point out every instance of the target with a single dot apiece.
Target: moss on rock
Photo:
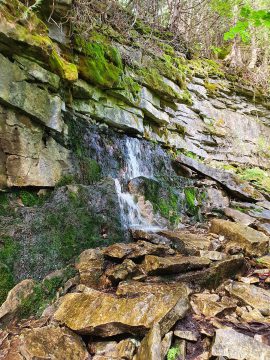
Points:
(100, 64)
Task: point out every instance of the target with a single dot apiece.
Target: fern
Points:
(173, 353)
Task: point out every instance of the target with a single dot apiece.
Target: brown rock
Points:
(234, 345)
(187, 242)
(166, 344)
(125, 349)
(154, 265)
(209, 305)
(213, 276)
(131, 287)
(135, 250)
(186, 335)
(265, 261)
(150, 348)
(15, 297)
(253, 242)
(120, 272)
(102, 314)
(90, 266)
(213, 255)
(239, 216)
(49, 342)
(251, 295)
(153, 237)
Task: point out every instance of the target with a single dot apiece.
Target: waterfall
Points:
(135, 167)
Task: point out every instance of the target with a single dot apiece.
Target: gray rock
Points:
(29, 98)
(253, 242)
(234, 345)
(231, 182)
(251, 295)
(111, 114)
(239, 216)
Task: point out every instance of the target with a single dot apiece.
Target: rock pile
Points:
(180, 295)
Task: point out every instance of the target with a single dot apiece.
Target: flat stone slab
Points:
(214, 275)
(187, 242)
(231, 182)
(102, 314)
(132, 287)
(135, 250)
(251, 295)
(154, 265)
(239, 216)
(234, 345)
(253, 242)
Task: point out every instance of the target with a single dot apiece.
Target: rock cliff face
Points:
(119, 85)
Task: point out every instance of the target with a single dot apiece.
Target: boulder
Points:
(15, 298)
(136, 250)
(154, 265)
(265, 228)
(239, 216)
(166, 344)
(45, 342)
(101, 314)
(229, 181)
(234, 345)
(213, 255)
(150, 347)
(153, 237)
(90, 265)
(251, 295)
(52, 342)
(253, 242)
(260, 214)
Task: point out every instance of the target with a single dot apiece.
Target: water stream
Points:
(135, 167)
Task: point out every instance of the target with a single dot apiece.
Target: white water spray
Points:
(135, 167)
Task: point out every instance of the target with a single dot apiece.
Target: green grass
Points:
(43, 294)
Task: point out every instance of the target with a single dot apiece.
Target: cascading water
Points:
(135, 167)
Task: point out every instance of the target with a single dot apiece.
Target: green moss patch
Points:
(100, 64)
(164, 199)
(44, 293)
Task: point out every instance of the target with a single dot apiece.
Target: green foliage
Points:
(173, 353)
(67, 179)
(31, 198)
(6, 281)
(248, 17)
(44, 293)
(8, 253)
